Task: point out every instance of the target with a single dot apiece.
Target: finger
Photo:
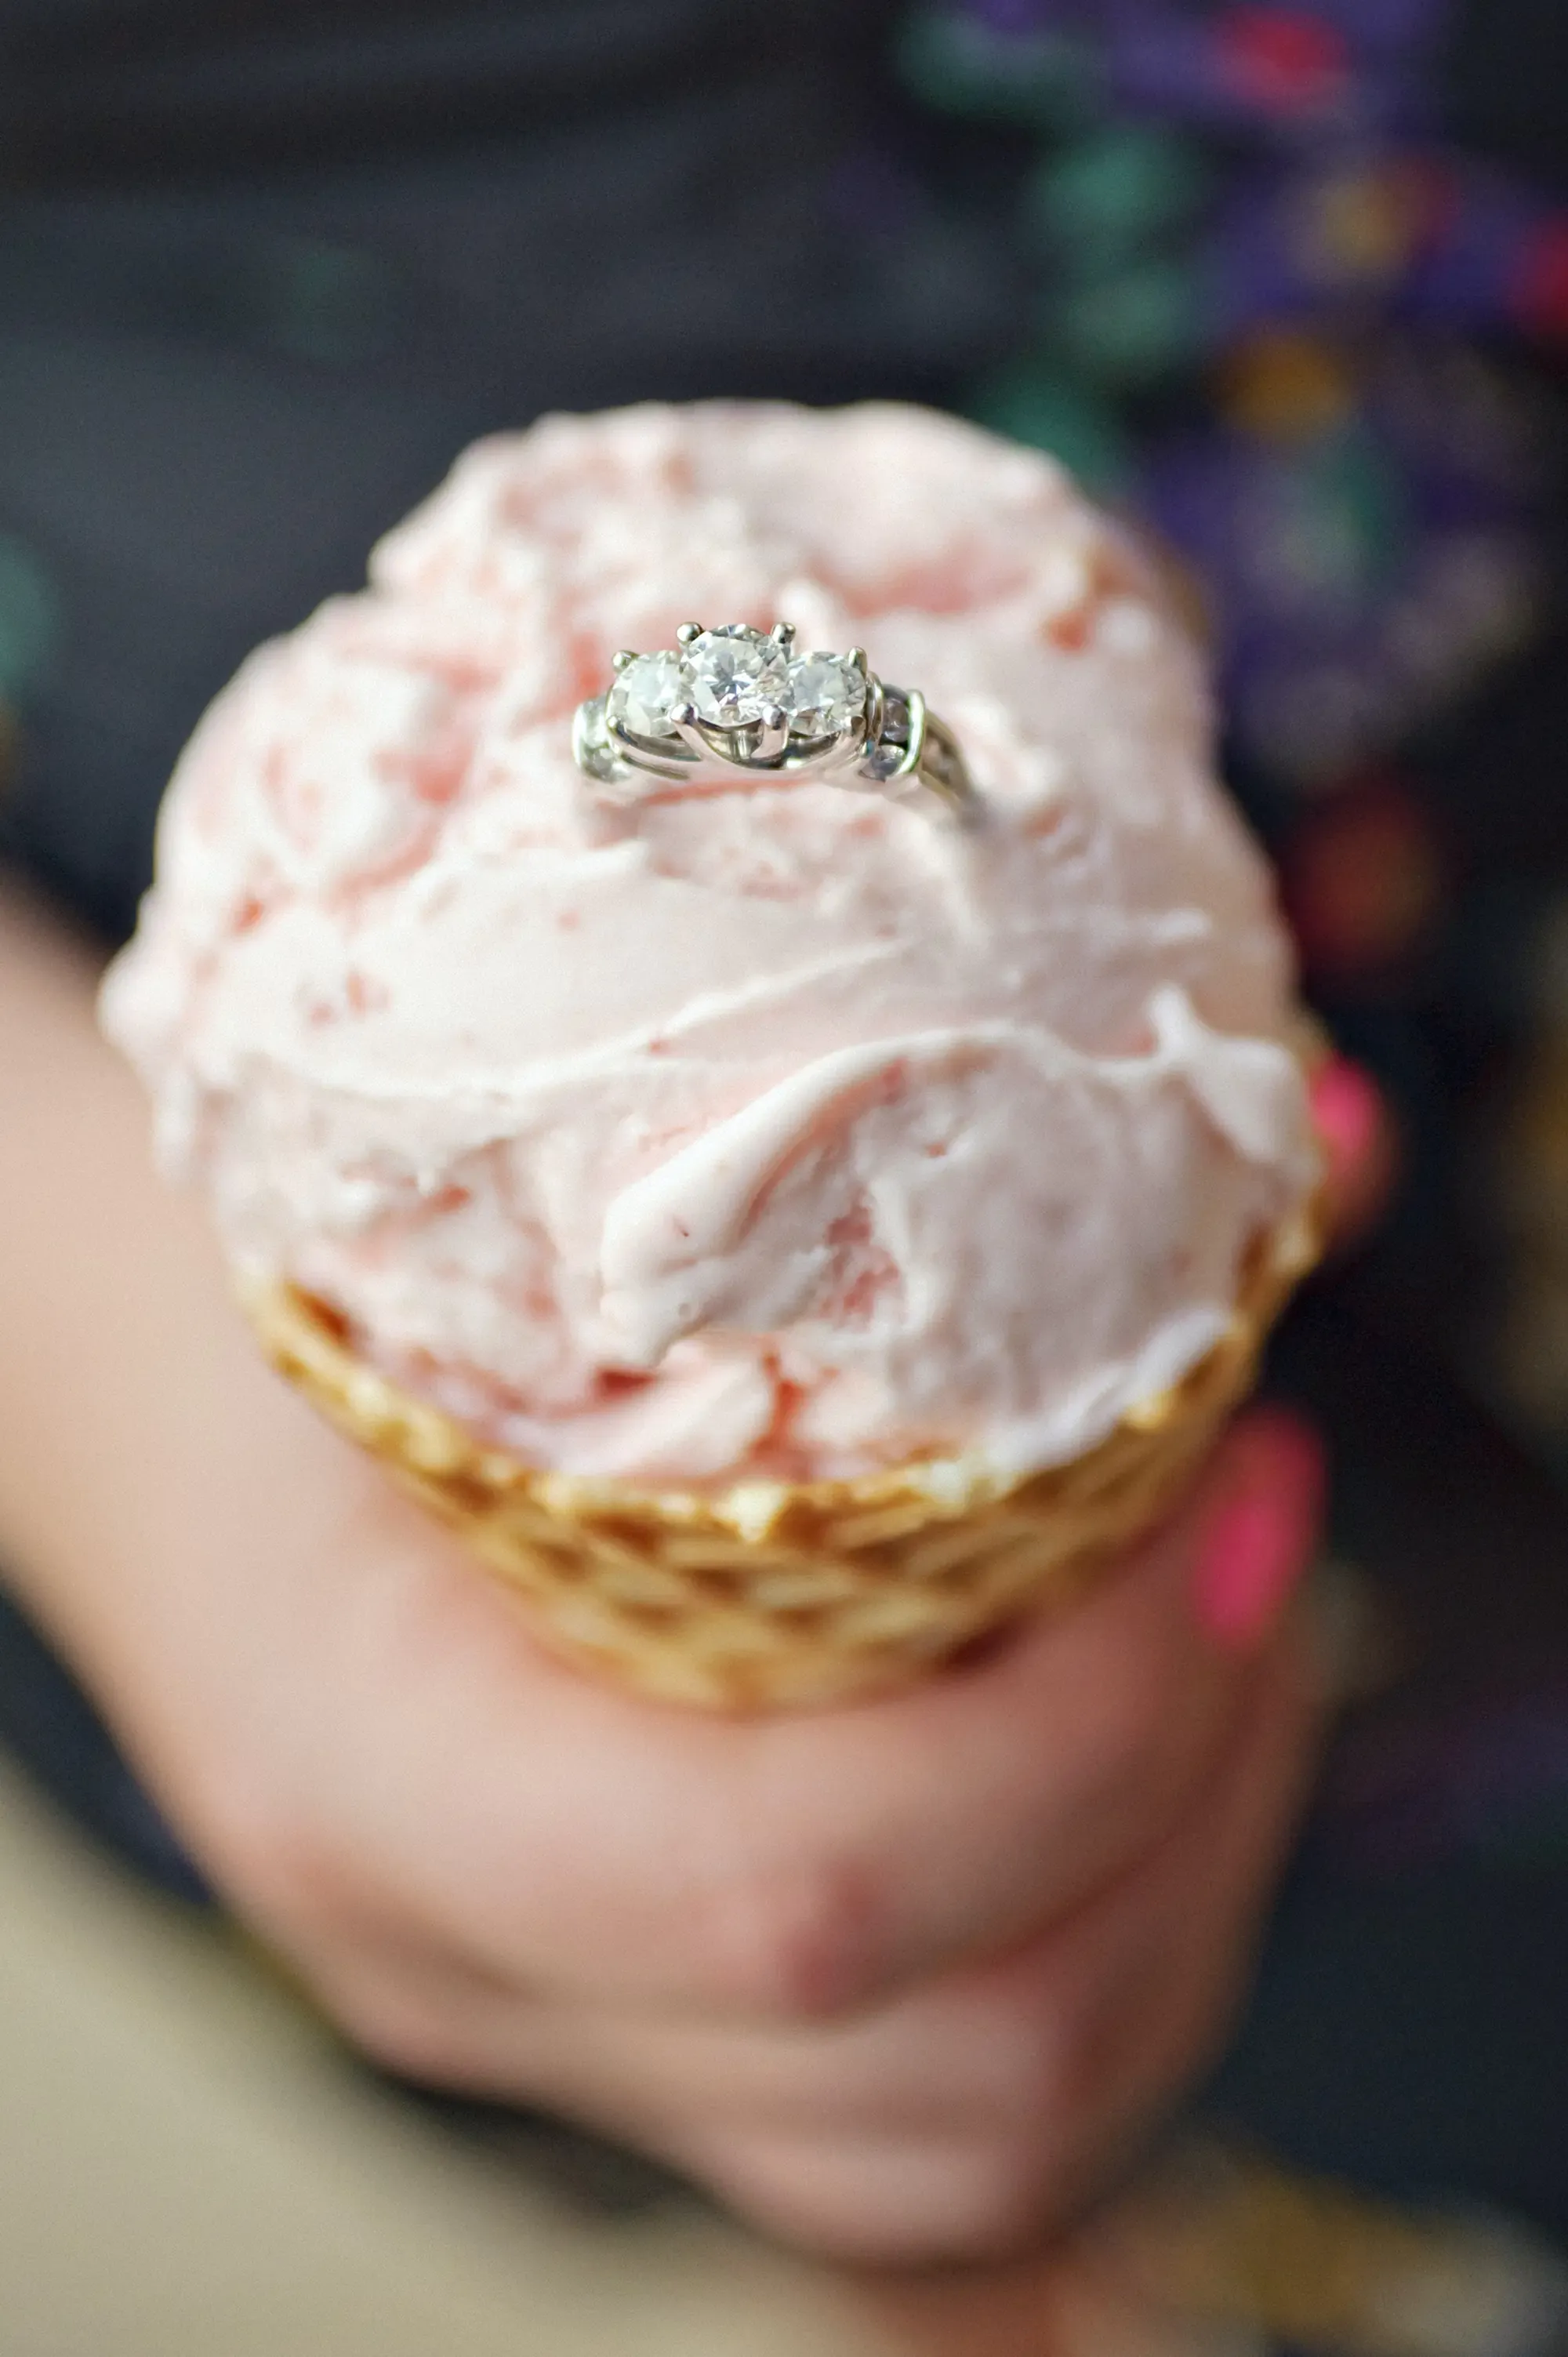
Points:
(567, 1836)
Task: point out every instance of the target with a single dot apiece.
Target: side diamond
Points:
(823, 694)
(647, 693)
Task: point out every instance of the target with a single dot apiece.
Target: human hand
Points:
(896, 1980)
(890, 1979)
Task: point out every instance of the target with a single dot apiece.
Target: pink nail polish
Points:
(1349, 1114)
(1260, 1540)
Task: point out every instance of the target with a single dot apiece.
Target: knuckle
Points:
(1024, 2077)
(1006, 2191)
(400, 2033)
(1027, 2034)
(798, 1941)
(798, 2194)
(264, 1848)
(277, 1854)
(1031, 2075)
(895, 2203)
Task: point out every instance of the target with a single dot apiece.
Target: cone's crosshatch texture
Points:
(770, 1596)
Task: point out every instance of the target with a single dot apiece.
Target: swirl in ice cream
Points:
(779, 1129)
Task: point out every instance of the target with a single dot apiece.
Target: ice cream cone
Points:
(773, 1595)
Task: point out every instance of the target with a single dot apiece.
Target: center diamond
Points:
(735, 676)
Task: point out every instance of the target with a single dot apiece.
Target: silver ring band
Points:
(739, 702)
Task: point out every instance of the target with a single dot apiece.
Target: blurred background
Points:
(1287, 282)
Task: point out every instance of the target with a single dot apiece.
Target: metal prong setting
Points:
(883, 736)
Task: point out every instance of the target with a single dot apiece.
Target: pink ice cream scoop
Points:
(778, 1129)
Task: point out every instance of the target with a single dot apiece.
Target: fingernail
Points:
(1348, 1112)
(1260, 1538)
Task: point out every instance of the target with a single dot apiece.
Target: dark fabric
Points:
(263, 274)
(1406, 2029)
(97, 91)
(51, 1727)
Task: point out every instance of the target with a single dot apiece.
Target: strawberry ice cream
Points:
(785, 1130)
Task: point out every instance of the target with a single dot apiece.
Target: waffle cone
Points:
(778, 1596)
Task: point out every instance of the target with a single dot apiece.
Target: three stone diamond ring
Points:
(738, 702)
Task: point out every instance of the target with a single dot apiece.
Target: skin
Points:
(900, 1982)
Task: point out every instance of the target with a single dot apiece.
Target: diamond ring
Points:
(735, 702)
